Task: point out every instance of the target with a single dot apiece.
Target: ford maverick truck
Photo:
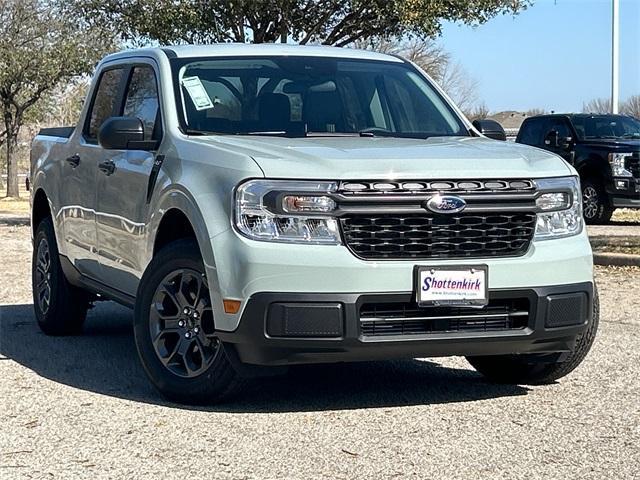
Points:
(263, 206)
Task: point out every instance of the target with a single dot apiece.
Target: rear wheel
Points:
(523, 369)
(595, 203)
(60, 308)
(175, 332)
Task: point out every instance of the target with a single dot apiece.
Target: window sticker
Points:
(197, 92)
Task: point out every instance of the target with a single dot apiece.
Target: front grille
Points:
(392, 319)
(633, 165)
(435, 186)
(428, 235)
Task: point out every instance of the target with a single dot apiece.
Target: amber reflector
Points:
(231, 306)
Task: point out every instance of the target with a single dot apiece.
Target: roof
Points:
(252, 50)
(594, 114)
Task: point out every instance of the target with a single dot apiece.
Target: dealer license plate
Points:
(452, 286)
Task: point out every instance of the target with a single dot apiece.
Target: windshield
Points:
(606, 126)
(304, 96)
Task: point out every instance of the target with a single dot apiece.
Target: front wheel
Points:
(596, 207)
(174, 329)
(520, 369)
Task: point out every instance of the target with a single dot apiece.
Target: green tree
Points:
(330, 22)
(41, 46)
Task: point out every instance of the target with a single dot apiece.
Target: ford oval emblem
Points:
(445, 204)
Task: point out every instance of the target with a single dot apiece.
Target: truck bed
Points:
(63, 132)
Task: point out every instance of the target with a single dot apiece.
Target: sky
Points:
(555, 55)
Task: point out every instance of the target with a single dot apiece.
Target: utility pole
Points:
(615, 55)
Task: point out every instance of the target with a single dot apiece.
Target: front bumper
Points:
(625, 192)
(556, 316)
(244, 268)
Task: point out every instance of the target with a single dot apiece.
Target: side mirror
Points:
(121, 133)
(552, 139)
(566, 142)
(490, 128)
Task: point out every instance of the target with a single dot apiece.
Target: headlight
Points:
(559, 208)
(287, 211)
(618, 167)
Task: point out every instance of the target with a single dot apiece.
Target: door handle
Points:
(107, 167)
(74, 160)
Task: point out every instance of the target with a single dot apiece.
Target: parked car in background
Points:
(604, 149)
(274, 205)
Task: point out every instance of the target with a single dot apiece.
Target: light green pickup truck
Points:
(262, 206)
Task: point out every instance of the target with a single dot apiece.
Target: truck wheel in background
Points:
(519, 369)
(174, 329)
(60, 307)
(595, 203)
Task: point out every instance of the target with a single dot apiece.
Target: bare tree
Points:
(631, 106)
(427, 54)
(597, 105)
(435, 61)
(459, 85)
(479, 112)
(62, 106)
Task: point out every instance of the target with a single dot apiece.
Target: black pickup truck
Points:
(604, 149)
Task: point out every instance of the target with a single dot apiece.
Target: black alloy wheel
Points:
(181, 324)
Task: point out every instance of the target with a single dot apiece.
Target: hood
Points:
(347, 157)
(620, 144)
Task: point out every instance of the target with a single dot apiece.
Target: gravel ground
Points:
(81, 407)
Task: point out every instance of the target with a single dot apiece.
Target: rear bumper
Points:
(296, 328)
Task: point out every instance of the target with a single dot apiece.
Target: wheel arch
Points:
(181, 214)
(594, 167)
(174, 225)
(40, 208)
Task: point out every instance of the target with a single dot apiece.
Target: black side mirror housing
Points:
(490, 129)
(121, 133)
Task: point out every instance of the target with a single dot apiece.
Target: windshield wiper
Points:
(266, 133)
(193, 131)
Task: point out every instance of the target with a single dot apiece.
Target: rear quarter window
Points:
(531, 132)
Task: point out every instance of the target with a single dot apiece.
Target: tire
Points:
(519, 369)
(596, 206)
(60, 308)
(174, 330)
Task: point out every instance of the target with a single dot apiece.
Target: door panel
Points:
(121, 217)
(78, 192)
(563, 129)
(122, 189)
(78, 211)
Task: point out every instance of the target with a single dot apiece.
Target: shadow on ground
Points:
(623, 223)
(104, 360)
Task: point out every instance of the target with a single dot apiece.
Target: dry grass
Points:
(626, 215)
(14, 205)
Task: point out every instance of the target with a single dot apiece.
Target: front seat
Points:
(323, 112)
(274, 112)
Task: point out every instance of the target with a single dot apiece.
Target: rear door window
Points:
(560, 125)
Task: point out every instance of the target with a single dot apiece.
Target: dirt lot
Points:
(81, 407)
